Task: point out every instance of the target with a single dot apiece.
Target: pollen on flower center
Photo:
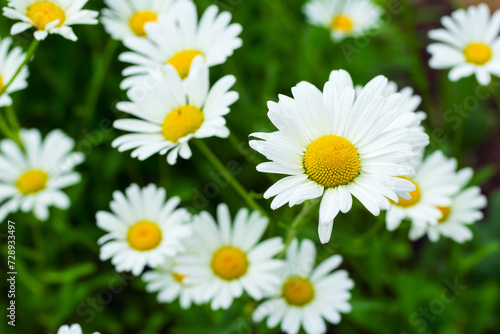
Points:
(298, 291)
(144, 235)
(445, 213)
(179, 277)
(181, 122)
(181, 61)
(478, 53)
(343, 23)
(331, 161)
(139, 20)
(229, 263)
(43, 12)
(415, 195)
(32, 181)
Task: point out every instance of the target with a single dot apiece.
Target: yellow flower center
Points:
(139, 20)
(229, 263)
(298, 291)
(144, 235)
(445, 213)
(478, 53)
(179, 277)
(181, 61)
(343, 23)
(331, 161)
(415, 195)
(32, 181)
(1, 83)
(43, 12)
(181, 122)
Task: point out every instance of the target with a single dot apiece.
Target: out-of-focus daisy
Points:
(228, 260)
(307, 296)
(49, 17)
(10, 60)
(172, 113)
(335, 145)
(469, 44)
(73, 329)
(170, 284)
(32, 179)
(343, 18)
(407, 110)
(127, 18)
(213, 38)
(435, 182)
(143, 229)
(465, 209)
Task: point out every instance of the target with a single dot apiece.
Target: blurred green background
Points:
(399, 284)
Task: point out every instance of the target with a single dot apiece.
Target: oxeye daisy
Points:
(73, 329)
(469, 44)
(143, 229)
(307, 296)
(408, 116)
(228, 260)
(435, 182)
(32, 179)
(10, 60)
(344, 18)
(465, 209)
(49, 17)
(127, 18)
(335, 145)
(213, 38)
(170, 284)
(172, 113)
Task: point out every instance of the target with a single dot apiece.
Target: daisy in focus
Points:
(435, 181)
(49, 17)
(73, 329)
(10, 60)
(336, 145)
(31, 180)
(173, 112)
(143, 229)
(307, 296)
(469, 44)
(228, 260)
(128, 18)
(465, 209)
(344, 18)
(170, 285)
(213, 38)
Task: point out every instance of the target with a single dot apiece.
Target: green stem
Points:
(97, 79)
(7, 132)
(26, 60)
(299, 220)
(231, 179)
(12, 118)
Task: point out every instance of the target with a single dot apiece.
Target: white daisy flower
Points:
(344, 18)
(435, 182)
(307, 296)
(170, 284)
(213, 38)
(469, 44)
(228, 260)
(335, 145)
(173, 112)
(32, 179)
(127, 18)
(10, 60)
(143, 229)
(73, 329)
(49, 17)
(407, 109)
(465, 209)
